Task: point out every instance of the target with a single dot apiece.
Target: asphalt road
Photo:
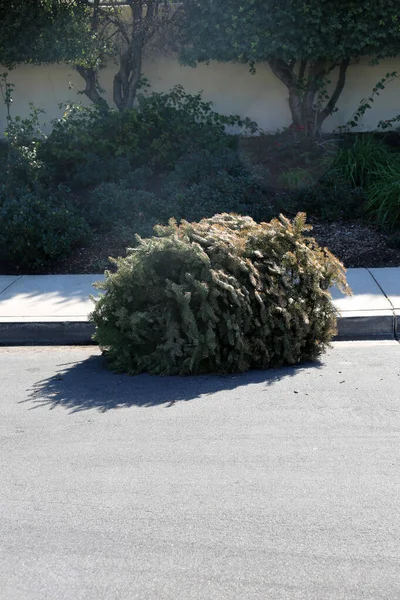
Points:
(279, 485)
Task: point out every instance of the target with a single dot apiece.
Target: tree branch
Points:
(338, 90)
(89, 75)
(126, 38)
(283, 71)
(302, 69)
(316, 71)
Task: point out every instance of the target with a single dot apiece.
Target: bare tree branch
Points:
(302, 69)
(127, 32)
(283, 70)
(329, 108)
(91, 91)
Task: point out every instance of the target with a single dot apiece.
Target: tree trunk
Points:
(90, 74)
(92, 88)
(125, 35)
(127, 79)
(307, 116)
(295, 105)
(332, 102)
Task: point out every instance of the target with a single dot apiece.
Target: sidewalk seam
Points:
(11, 284)
(388, 299)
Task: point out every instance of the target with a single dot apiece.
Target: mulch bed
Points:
(358, 245)
(354, 243)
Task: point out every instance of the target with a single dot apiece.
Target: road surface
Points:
(282, 485)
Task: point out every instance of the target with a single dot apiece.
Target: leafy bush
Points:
(36, 228)
(204, 183)
(366, 104)
(86, 143)
(197, 188)
(204, 165)
(89, 145)
(138, 179)
(178, 123)
(223, 295)
(20, 165)
(329, 200)
(128, 201)
(288, 149)
(25, 131)
(355, 164)
(384, 195)
(110, 204)
(223, 193)
(295, 179)
(94, 170)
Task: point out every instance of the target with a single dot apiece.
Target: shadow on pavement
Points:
(90, 385)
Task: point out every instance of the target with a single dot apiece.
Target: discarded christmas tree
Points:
(223, 295)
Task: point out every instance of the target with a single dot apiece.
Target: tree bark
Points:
(283, 71)
(295, 105)
(128, 39)
(303, 91)
(316, 73)
(286, 74)
(91, 90)
(331, 105)
(127, 79)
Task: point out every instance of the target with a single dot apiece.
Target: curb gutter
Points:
(379, 325)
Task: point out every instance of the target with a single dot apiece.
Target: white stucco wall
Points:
(231, 87)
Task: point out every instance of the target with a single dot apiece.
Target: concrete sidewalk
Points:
(53, 309)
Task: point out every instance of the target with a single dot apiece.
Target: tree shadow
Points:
(88, 385)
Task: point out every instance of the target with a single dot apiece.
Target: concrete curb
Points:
(46, 333)
(53, 309)
(368, 326)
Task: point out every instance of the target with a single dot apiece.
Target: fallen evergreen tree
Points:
(223, 295)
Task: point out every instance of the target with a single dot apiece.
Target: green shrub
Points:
(356, 163)
(87, 141)
(222, 193)
(222, 295)
(20, 164)
(205, 183)
(384, 195)
(36, 228)
(138, 179)
(110, 204)
(295, 179)
(129, 204)
(94, 170)
(129, 200)
(203, 165)
(178, 123)
(329, 200)
(20, 167)
(87, 145)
